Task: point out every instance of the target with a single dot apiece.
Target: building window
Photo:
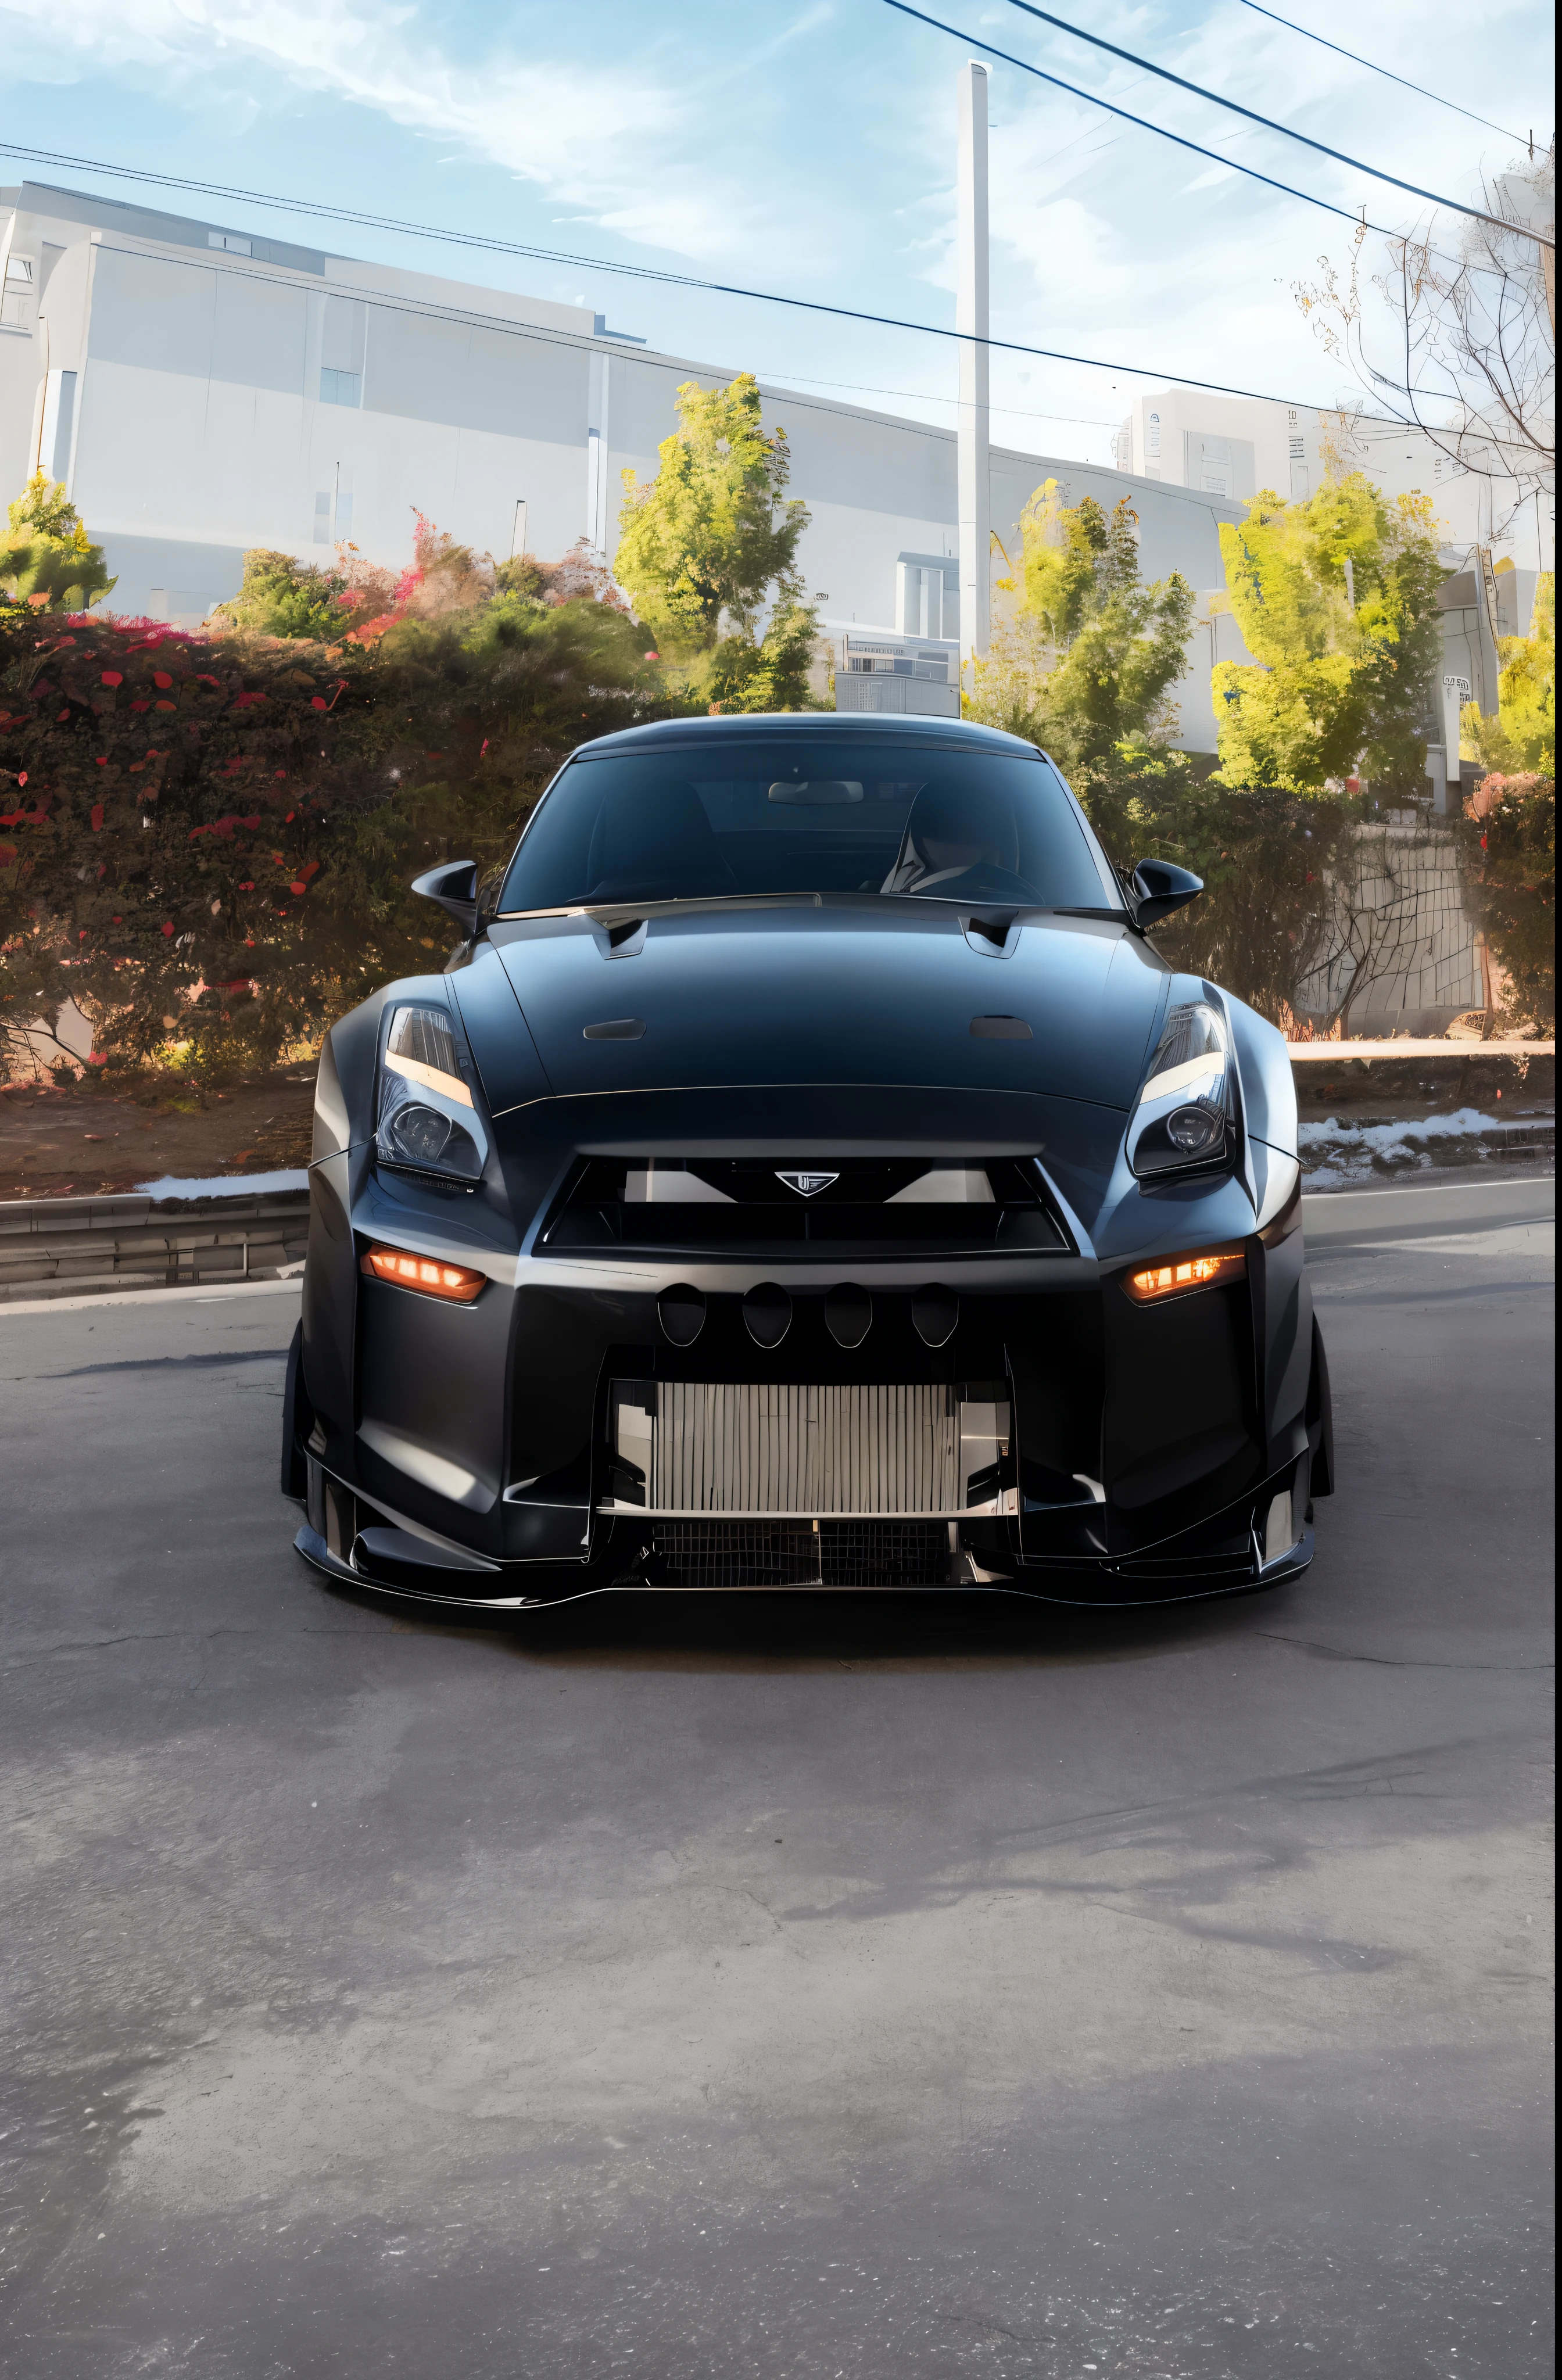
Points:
(340, 387)
(322, 516)
(1154, 441)
(234, 242)
(16, 300)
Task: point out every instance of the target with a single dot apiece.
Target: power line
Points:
(1455, 206)
(930, 396)
(315, 210)
(1093, 98)
(1387, 72)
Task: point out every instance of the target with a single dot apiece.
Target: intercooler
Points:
(778, 1450)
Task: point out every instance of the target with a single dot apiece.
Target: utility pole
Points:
(970, 322)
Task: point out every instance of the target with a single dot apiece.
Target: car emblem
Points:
(807, 1185)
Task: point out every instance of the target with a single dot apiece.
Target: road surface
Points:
(719, 1988)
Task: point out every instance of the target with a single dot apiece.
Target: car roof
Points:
(763, 726)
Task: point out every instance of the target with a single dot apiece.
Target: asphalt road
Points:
(704, 1989)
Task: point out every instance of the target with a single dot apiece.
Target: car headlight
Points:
(1183, 1117)
(428, 1120)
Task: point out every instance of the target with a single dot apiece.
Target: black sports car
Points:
(807, 1175)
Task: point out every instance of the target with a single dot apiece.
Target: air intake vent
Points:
(839, 1554)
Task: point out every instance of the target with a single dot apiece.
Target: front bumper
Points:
(1151, 1454)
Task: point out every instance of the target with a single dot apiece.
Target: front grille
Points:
(780, 1448)
(841, 1554)
(731, 1207)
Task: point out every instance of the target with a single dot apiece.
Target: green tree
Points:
(702, 546)
(1343, 658)
(47, 561)
(1522, 737)
(1086, 666)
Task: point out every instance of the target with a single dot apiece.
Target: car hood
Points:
(755, 993)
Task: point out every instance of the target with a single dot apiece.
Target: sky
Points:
(809, 149)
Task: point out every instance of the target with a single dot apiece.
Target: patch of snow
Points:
(220, 1185)
(1385, 1137)
(1333, 1153)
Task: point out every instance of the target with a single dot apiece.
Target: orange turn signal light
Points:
(1180, 1274)
(457, 1282)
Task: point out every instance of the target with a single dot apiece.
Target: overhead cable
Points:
(1357, 165)
(1093, 99)
(1387, 72)
(315, 210)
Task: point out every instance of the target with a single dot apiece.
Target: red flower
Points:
(161, 677)
(247, 888)
(112, 677)
(168, 927)
(166, 706)
(22, 779)
(102, 759)
(97, 816)
(142, 705)
(297, 887)
(318, 702)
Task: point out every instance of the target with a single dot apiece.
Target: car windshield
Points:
(808, 815)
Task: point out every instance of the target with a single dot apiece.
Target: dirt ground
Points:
(82, 1143)
(85, 1142)
(1404, 1090)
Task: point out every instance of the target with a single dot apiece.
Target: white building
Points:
(201, 390)
(1232, 447)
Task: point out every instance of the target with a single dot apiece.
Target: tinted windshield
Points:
(806, 815)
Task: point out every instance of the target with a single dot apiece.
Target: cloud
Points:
(610, 140)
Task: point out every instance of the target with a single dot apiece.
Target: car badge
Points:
(807, 1185)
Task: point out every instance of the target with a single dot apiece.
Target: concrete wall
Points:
(1399, 927)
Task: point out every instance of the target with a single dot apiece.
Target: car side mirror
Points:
(454, 886)
(1157, 887)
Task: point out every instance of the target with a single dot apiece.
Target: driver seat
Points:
(950, 830)
(655, 842)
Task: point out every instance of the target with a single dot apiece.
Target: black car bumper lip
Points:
(758, 1558)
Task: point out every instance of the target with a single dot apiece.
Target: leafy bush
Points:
(1509, 837)
(208, 840)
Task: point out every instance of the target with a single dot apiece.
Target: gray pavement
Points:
(708, 1987)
